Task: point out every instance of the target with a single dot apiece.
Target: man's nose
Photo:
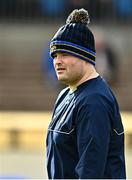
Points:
(58, 60)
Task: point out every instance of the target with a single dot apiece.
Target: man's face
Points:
(69, 69)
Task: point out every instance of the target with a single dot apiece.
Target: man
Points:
(85, 137)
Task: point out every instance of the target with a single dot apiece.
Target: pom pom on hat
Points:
(78, 16)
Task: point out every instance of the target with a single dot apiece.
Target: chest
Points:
(62, 127)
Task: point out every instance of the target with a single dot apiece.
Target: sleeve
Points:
(93, 135)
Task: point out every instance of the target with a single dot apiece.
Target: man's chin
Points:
(62, 80)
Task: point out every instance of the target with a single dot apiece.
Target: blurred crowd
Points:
(98, 9)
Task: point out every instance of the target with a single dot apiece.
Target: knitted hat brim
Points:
(72, 49)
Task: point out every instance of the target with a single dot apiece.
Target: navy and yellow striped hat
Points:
(75, 37)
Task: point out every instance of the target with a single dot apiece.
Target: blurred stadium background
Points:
(28, 86)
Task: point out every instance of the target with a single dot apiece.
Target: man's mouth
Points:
(59, 70)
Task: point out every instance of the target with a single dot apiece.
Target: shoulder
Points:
(62, 94)
(95, 101)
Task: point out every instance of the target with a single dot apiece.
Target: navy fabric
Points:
(77, 34)
(86, 137)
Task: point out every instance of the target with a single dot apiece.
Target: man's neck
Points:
(89, 75)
